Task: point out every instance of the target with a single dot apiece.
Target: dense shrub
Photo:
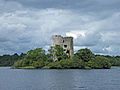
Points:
(83, 59)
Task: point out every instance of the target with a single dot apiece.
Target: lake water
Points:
(19, 79)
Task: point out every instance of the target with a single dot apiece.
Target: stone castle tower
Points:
(65, 42)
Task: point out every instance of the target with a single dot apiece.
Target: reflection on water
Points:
(19, 79)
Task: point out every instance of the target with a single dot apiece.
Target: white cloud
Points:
(76, 33)
(26, 29)
(23, 28)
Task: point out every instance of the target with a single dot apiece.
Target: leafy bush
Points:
(99, 63)
(83, 59)
(85, 54)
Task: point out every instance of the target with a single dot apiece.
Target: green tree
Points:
(33, 58)
(38, 64)
(8, 60)
(36, 54)
(85, 54)
(100, 62)
(58, 52)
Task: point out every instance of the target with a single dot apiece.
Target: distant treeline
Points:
(38, 58)
(114, 60)
(9, 60)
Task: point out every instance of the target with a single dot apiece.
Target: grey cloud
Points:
(79, 5)
(30, 29)
(28, 24)
(91, 39)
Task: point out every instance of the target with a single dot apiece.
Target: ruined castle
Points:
(65, 42)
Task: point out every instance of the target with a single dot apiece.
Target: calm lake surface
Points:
(19, 79)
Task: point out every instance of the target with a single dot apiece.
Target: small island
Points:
(60, 56)
(82, 59)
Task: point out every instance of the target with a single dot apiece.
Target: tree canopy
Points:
(38, 58)
(85, 54)
(83, 59)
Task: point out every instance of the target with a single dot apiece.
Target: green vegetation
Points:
(99, 63)
(57, 53)
(38, 58)
(34, 58)
(85, 55)
(83, 59)
(8, 60)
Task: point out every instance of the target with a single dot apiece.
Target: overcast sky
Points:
(28, 24)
